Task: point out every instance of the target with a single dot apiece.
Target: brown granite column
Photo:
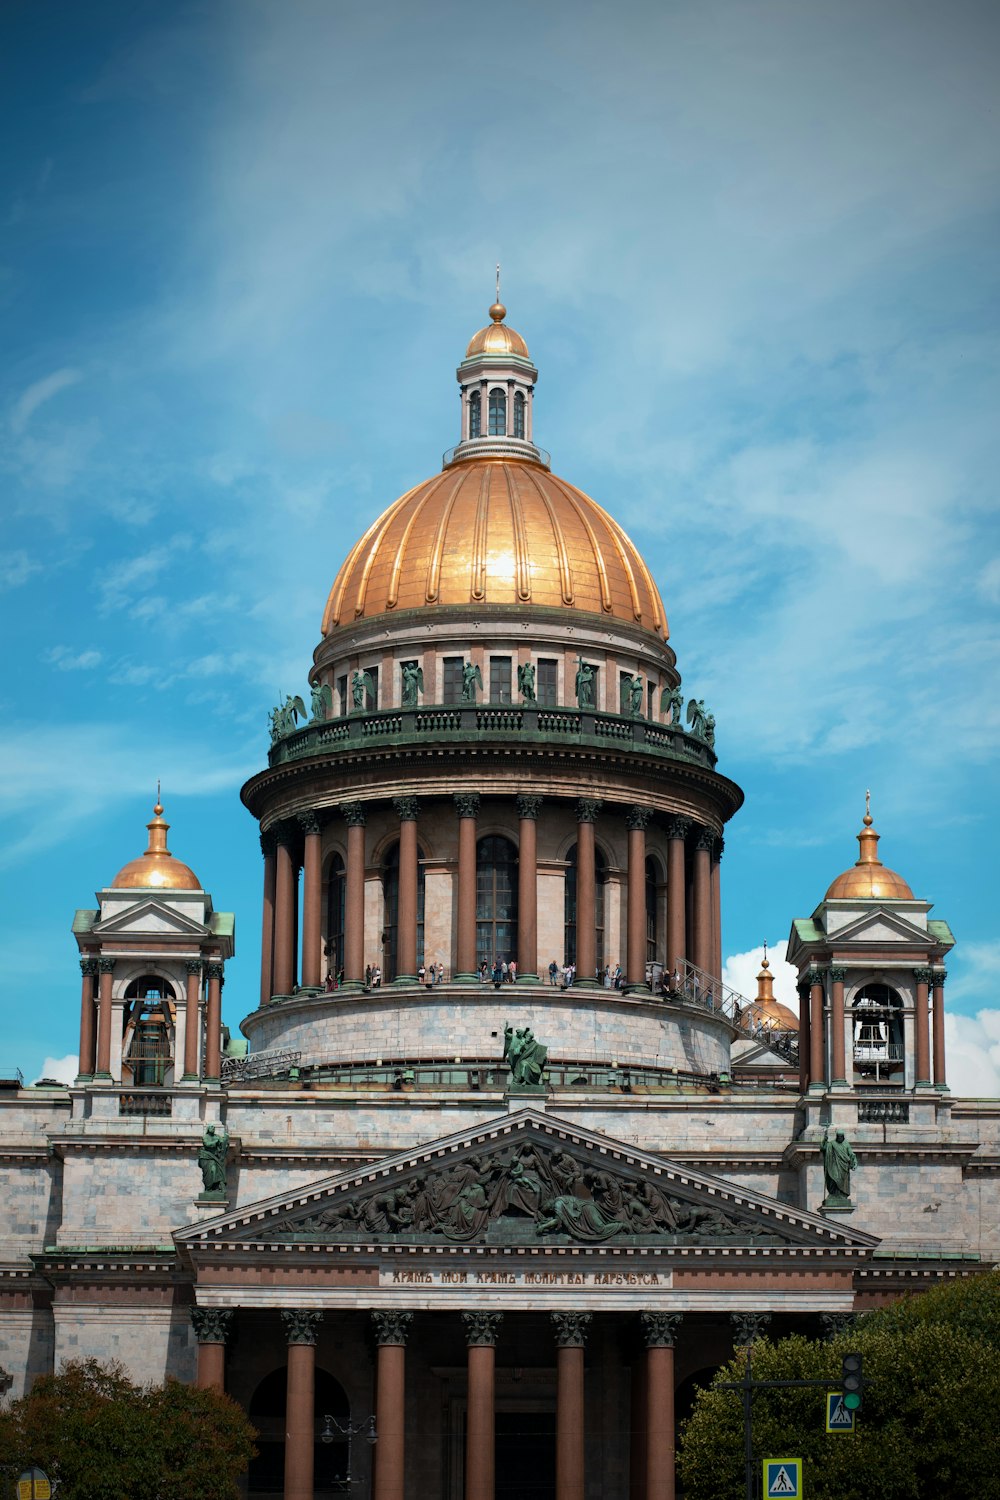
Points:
(481, 1330)
(587, 809)
(407, 810)
(570, 1333)
(284, 913)
(636, 820)
(211, 1326)
(922, 1039)
(527, 889)
(838, 1062)
(300, 1412)
(940, 1072)
(703, 901)
(659, 1330)
(354, 895)
(107, 969)
(718, 845)
(213, 1024)
(88, 973)
(677, 831)
(804, 1029)
(192, 1020)
(391, 1329)
(817, 1050)
(467, 805)
(312, 901)
(267, 848)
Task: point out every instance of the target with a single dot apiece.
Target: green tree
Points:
(105, 1438)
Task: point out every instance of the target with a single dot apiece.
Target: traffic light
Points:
(852, 1381)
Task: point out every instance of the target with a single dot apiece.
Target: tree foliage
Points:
(104, 1438)
(927, 1427)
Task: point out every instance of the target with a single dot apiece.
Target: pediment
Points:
(523, 1180)
(150, 919)
(879, 925)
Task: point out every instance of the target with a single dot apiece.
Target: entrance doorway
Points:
(525, 1455)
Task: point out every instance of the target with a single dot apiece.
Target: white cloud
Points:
(36, 395)
(972, 1053)
(16, 568)
(61, 1069)
(65, 660)
(740, 972)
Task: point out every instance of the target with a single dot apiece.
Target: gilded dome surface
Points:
(496, 532)
(496, 337)
(869, 879)
(156, 869)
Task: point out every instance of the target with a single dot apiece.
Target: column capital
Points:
(678, 828)
(391, 1327)
(838, 974)
(88, 967)
(528, 806)
(467, 804)
(353, 814)
(407, 809)
(940, 975)
(659, 1329)
(816, 974)
(286, 832)
(215, 971)
(212, 1325)
(748, 1326)
(718, 848)
(309, 821)
(705, 839)
(481, 1328)
(834, 1324)
(923, 975)
(193, 965)
(107, 965)
(587, 809)
(301, 1327)
(802, 987)
(637, 818)
(570, 1328)
(268, 843)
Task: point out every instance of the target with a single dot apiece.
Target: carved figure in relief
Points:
(581, 1218)
(526, 681)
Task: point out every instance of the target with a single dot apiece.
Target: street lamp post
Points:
(332, 1429)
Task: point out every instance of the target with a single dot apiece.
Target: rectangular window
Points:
(650, 698)
(371, 691)
(342, 694)
(452, 679)
(547, 687)
(500, 679)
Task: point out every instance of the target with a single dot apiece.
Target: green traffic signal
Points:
(852, 1380)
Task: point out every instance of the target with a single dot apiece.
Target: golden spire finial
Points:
(498, 312)
(765, 964)
(868, 820)
(158, 809)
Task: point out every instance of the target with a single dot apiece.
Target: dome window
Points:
(519, 414)
(475, 415)
(496, 900)
(498, 412)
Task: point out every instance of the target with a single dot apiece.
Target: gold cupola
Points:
(497, 381)
(766, 1010)
(156, 869)
(869, 879)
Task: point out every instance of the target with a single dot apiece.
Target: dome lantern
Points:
(156, 868)
(869, 878)
(497, 382)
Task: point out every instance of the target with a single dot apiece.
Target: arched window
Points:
(498, 412)
(475, 415)
(877, 1017)
(570, 911)
(148, 1040)
(390, 886)
(651, 889)
(519, 414)
(336, 906)
(496, 900)
(267, 1412)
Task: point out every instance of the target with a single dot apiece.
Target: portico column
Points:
(804, 1030)
(920, 1026)
(838, 1067)
(718, 846)
(300, 1411)
(192, 1020)
(940, 1073)
(481, 1330)
(267, 844)
(467, 804)
(88, 973)
(571, 1332)
(703, 901)
(659, 1331)
(677, 831)
(213, 1023)
(817, 1051)
(587, 809)
(527, 889)
(391, 1329)
(284, 914)
(312, 900)
(107, 969)
(407, 810)
(354, 894)
(636, 820)
(211, 1326)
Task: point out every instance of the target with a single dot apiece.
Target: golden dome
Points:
(496, 532)
(496, 337)
(768, 1011)
(156, 869)
(869, 879)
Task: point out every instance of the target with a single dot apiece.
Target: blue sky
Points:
(752, 247)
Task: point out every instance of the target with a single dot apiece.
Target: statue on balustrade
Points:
(362, 688)
(702, 723)
(526, 682)
(472, 678)
(413, 683)
(673, 703)
(839, 1161)
(322, 701)
(524, 1053)
(283, 718)
(212, 1160)
(632, 696)
(586, 685)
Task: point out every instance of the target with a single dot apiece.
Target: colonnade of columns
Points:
(203, 988)
(652, 1458)
(693, 923)
(823, 1061)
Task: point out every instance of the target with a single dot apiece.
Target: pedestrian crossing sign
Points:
(783, 1477)
(839, 1418)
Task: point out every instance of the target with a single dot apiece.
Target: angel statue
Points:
(585, 694)
(632, 696)
(673, 702)
(413, 682)
(362, 685)
(283, 718)
(697, 718)
(472, 678)
(322, 701)
(526, 682)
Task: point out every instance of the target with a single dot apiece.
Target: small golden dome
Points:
(157, 869)
(496, 337)
(869, 879)
(766, 1010)
(496, 532)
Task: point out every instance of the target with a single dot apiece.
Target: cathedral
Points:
(499, 1171)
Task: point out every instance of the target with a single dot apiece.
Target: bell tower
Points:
(497, 384)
